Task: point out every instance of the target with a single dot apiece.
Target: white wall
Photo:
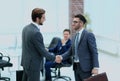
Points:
(104, 15)
(16, 14)
(11, 16)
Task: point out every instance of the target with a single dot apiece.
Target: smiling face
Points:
(77, 24)
(66, 35)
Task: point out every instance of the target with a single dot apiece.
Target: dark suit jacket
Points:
(59, 49)
(87, 51)
(33, 49)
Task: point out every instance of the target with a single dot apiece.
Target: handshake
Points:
(58, 59)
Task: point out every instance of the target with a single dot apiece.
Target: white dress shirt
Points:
(80, 33)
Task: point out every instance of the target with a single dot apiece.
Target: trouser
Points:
(79, 74)
(29, 75)
(48, 65)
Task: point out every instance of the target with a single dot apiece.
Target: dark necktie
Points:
(76, 47)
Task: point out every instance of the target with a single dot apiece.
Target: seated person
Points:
(60, 48)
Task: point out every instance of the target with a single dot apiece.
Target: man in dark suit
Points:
(61, 47)
(33, 49)
(83, 50)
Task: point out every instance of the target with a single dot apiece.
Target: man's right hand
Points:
(58, 59)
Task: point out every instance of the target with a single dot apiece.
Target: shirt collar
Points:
(38, 26)
(81, 31)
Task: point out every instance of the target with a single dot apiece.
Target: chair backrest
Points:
(54, 42)
(6, 62)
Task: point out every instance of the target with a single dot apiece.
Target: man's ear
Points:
(37, 19)
(81, 23)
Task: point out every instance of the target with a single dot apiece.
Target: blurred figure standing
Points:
(62, 46)
(33, 49)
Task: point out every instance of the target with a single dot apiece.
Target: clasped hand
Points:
(58, 59)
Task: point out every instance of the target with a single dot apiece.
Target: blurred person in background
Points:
(62, 46)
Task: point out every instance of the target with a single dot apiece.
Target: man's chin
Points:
(75, 29)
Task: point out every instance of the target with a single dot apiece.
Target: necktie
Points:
(76, 47)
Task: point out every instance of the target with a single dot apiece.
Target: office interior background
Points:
(103, 16)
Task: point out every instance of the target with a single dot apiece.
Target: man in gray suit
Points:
(84, 52)
(33, 49)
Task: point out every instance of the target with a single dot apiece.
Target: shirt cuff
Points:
(96, 68)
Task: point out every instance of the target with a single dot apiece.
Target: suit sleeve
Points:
(37, 40)
(67, 46)
(67, 54)
(93, 49)
(54, 49)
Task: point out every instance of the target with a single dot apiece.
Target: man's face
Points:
(42, 19)
(76, 23)
(66, 35)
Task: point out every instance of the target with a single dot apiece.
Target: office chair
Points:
(56, 70)
(54, 42)
(4, 63)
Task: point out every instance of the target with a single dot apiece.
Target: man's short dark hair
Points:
(68, 30)
(37, 12)
(81, 17)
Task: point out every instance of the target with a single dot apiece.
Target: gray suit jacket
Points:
(87, 51)
(33, 49)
